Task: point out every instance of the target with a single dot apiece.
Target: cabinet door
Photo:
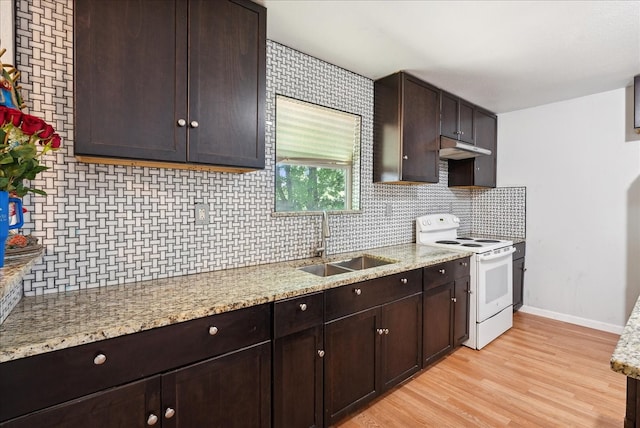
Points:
(352, 345)
(466, 122)
(420, 143)
(461, 310)
(486, 137)
(127, 100)
(518, 283)
(232, 390)
(401, 346)
(449, 116)
(132, 406)
(437, 316)
(227, 82)
(298, 379)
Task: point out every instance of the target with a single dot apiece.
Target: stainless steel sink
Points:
(344, 266)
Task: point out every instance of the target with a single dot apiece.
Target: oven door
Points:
(494, 282)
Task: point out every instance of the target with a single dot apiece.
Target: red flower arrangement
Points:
(24, 138)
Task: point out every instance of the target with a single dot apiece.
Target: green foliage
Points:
(309, 188)
(19, 162)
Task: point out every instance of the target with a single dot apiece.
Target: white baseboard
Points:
(597, 325)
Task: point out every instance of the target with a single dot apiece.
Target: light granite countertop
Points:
(14, 270)
(626, 356)
(51, 322)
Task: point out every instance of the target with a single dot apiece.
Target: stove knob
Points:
(428, 221)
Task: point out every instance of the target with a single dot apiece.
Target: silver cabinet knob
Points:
(357, 291)
(181, 122)
(213, 330)
(99, 359)
(442, 271)
(303, 307)
(386, 331)
(478, 169)
(404, 280)
(320, 353)
(152, 419)
(405, 157)
(454, 300)
(380, 331)
(169, 413)
(194, 124)
(464, 264)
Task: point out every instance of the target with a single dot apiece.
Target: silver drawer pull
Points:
(213, 330)
(100, 359)
(152, 419)
(320, 353)
(357, 291)
(169, 413)
(442, 271)
(404, 280)
(303, 307)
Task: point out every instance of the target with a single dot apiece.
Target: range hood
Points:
(454, 149)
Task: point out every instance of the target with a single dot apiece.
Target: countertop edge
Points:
(321, 283)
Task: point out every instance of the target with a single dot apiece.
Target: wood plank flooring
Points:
(541, 373)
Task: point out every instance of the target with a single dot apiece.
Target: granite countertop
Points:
(626, 356)
(51, 322)
(14, 270)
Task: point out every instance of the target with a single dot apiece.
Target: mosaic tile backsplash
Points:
(103, 225)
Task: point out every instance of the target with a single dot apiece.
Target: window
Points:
(317, 157)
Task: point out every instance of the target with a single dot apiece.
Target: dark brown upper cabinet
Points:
(176, 83)
(457, 118)
(479, 171)
(636, 99)
(406, 133)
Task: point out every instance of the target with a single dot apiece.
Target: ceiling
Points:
(502, 55)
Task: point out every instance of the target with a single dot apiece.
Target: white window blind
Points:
(308, 133)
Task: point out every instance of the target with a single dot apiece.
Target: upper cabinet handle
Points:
(181, 122)
(194, 124)
(405, 157)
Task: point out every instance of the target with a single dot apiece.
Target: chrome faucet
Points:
(326, 233)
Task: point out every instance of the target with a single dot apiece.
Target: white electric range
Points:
(491, 271)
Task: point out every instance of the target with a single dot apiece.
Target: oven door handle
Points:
(497, 256)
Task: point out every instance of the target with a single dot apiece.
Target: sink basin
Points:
(363, 262)
(324, 269)
(344, 266)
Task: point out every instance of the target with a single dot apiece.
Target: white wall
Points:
(583, 207)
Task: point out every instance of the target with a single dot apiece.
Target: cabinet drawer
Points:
(58, 376)
(439, 274)
(362, 295)
(461, 267)
(520, 250)
(297, 314)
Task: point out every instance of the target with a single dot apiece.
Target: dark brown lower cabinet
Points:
(369, 352)
(298, 379)
(445, 309)
(233, 390)
(128, 406)
(518, 275)
(438, 316)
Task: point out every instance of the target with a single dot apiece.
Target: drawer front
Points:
(461, 267)
(356, 297)
(40, 381)
(442, 273)
(297, 314)
(520, 250)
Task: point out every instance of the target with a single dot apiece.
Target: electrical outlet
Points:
(202, 214)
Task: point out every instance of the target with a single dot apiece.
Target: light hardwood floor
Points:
(541, 373)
